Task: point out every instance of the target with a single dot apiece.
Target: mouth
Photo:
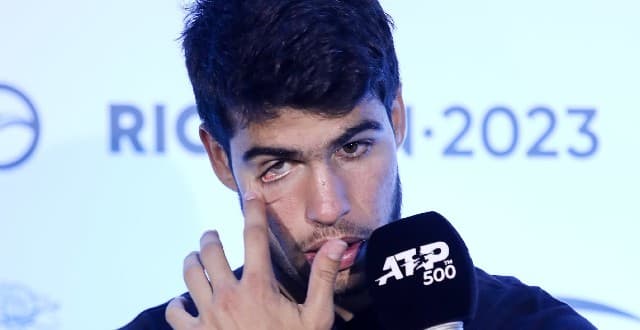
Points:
(348, 257)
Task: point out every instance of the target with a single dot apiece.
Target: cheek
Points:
(284, 210)
(372, 188)
(283, 207)
(286, 217)
(287, 223)
(283, 199)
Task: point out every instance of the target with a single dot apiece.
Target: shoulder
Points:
(506, 303)
(153, 318)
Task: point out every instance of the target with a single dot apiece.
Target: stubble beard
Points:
(352, 280)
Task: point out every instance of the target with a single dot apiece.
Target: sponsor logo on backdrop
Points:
(19, 127)
(22, 308)
(502, 131)
(133, 128)
(496, 132)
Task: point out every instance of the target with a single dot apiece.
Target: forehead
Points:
(296, 127)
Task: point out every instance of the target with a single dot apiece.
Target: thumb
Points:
(319, 302)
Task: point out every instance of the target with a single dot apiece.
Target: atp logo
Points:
(19, 127)
(410, 261)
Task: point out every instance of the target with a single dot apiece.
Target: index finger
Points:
(257, 258)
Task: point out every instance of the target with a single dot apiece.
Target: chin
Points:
(348, 282)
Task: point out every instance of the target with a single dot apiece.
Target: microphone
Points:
(420, 274)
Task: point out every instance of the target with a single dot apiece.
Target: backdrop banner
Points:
(521, 131)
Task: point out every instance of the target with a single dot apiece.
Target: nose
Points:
(327, 199)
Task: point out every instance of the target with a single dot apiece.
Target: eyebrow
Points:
(347, 135)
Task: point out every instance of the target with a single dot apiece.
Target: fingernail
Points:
(249, 195)
(211, 235)
(335, 250)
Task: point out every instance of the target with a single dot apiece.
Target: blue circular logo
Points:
(22, 308)
(19, 127)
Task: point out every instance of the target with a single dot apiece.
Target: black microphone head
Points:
(420, 273)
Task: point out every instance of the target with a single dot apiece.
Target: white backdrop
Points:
(523, 133)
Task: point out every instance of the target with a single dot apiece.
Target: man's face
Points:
(322, 178)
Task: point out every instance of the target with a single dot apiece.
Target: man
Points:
(302, 115)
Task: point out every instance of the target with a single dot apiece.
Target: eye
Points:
(276, 171)
(354, 149)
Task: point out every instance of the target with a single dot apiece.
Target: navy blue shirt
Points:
(503, 303)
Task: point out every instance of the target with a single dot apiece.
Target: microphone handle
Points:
(447, 326)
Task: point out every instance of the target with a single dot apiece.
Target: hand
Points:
(254, 301)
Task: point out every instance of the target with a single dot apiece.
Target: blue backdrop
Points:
(523, 132)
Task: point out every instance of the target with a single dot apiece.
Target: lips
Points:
(348, 257)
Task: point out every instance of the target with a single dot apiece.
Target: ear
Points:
(218, 159)
(398, 118)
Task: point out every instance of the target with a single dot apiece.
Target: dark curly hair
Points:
(248, 58)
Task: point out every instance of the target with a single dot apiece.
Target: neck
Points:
(352, 302)
(293, 285)
(346, 304)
